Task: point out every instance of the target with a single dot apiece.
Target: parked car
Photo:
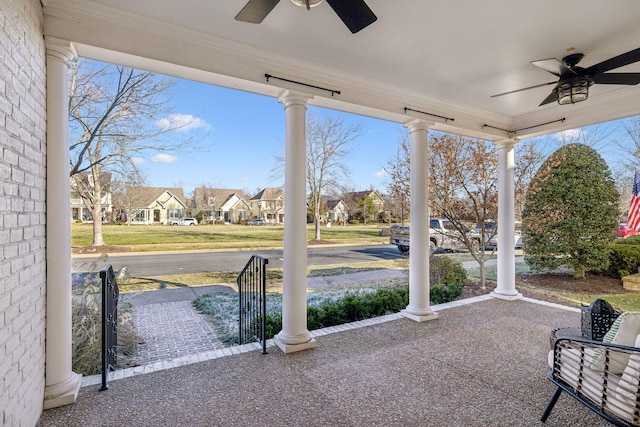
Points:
(443, 236)
(184, 221)
(625, 231)
(517, 237)
(491, 235)
(256, 222)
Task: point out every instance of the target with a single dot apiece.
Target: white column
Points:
(419, 287)
(61, 383)
(506, 288)
(294, 335)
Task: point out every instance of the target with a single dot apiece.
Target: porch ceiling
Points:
(443, 58)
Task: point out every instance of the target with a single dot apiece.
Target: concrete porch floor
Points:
(480, 364)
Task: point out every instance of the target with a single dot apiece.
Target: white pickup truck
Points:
(442, 235)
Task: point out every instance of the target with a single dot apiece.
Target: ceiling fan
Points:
(574, 82)
(355, 14)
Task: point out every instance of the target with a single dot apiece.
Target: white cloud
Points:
(182, 123)
(381, 173)
(138, 160)
(569, 135)
(163, 158)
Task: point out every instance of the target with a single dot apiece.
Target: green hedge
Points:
(624, 258)
(352, 308)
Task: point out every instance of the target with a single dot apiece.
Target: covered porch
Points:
(433, 68)
(482, 362)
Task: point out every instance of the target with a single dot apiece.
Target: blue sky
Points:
(244, 132)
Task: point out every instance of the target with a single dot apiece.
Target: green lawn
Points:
(143, 238)
(147, 238)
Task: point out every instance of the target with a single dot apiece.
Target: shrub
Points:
(86, 330)
(445, 271)
(353, 307)
(337, 306)
(445, 293)
(570, 210)
(624, 258)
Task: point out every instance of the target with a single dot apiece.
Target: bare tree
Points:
(529, 157)
(399, 170)
(328, 141)
(115, 119)
(463, 180)
(630, 144)
(327, 146)
(128, 190)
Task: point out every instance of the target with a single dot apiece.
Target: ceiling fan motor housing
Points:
(573, 59)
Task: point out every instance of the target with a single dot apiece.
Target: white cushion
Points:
(583, 381)
(623, 400)
(624, 331)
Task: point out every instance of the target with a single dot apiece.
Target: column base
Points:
(294, 347)
(64, 393)
(506, 296)
(423, 317)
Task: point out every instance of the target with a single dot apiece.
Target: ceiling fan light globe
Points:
(306, 3)
(573, 91)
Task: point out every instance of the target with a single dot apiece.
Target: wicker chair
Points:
(603, 376)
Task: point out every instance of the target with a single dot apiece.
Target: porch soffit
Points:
(435, 58)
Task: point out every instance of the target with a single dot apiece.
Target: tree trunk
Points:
(96, 207)
(97, 225)
(317, 226)
(483, 284)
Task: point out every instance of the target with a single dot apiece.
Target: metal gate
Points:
(252, 285)
(110, 295)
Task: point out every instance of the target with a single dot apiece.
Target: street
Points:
(200, 262)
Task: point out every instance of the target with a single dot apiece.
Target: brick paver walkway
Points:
(172, 329)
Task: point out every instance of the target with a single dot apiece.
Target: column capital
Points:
(292, 97)
(59, 48)
(418, 124)
(507, 142)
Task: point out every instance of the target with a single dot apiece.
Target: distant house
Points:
(354, 202)
(221, 205)
(153, 205)
(337, 210)
(79, 211)
(268, 204)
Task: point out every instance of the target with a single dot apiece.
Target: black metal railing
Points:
(252, 287)
(110, 295)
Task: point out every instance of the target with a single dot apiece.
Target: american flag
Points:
(633, 220)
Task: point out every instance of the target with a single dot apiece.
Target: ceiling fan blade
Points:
(552, 65)
(355, 14)
(613, 63)
(553, 97)
(524, 88)
(256, 10)
(617, 78)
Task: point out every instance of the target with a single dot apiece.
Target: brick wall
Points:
(22, 212)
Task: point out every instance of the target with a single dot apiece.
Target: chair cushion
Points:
(623, 402)
(584, 381)
(624, 331)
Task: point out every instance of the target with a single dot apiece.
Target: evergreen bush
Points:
(624, 258)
